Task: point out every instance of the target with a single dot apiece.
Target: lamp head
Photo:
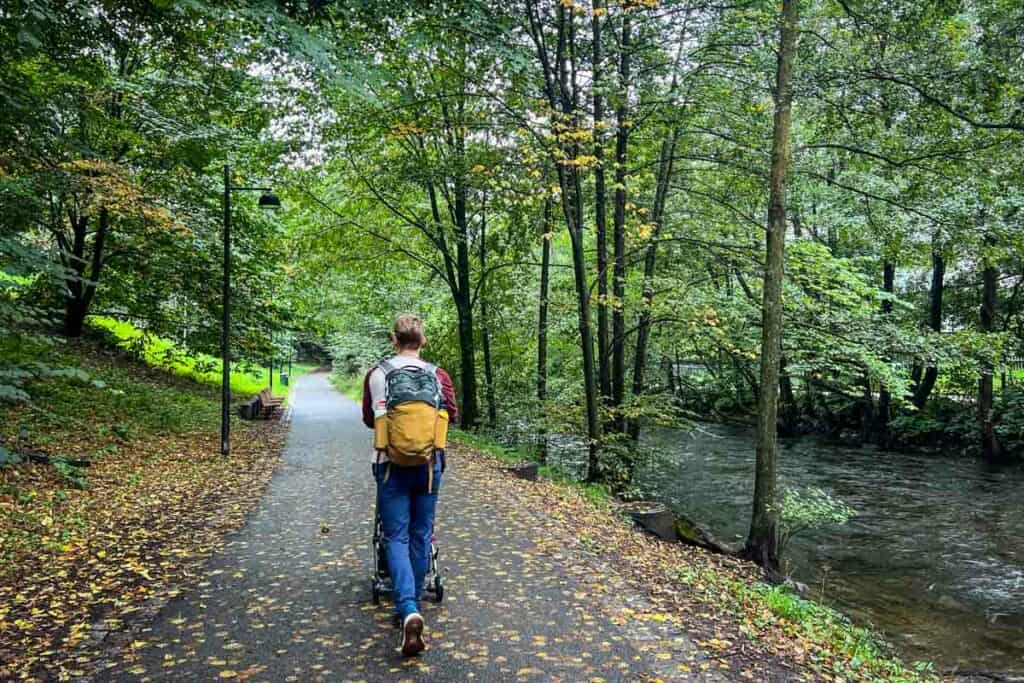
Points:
(269, 200)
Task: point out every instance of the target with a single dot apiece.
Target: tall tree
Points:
(542, 324)
(762, 544)
(884, 395)
(622, 126)
(485, 323)
(559, 71)
(990, 448)
(925, 377)
(598, 13)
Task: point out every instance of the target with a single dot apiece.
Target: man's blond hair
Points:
(408, 333)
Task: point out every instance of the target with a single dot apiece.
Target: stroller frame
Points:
(381, 579)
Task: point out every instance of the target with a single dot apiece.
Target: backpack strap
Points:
(386, 367)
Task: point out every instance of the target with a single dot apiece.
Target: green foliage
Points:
(945, 424)
(804, 510)
(21, 320)
(349, 385)
(941, 424)
(70, 473)
(246, 378)
(846, 650)
(1010, 419)
(356, 349)
(8, 457)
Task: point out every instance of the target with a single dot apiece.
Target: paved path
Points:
(287, 602)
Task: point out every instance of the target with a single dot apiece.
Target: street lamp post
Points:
(267, 200)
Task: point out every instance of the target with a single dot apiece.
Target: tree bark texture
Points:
(600, 211)
(990, 448)
(618, 341)
(81, 281)
(485, 331)
(762, 544)
(542, 327)
(923, 387)
(884, 397)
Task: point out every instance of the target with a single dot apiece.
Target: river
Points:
(934, 559)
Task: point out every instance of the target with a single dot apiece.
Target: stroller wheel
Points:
(375, 587)
(438, 589)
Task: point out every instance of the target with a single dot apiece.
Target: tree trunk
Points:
(990, 448)
(469, 410)
(82, 282)
(619, 275)
(600, 213)
(579, 267)
(665, 163)
(561, 92)
(542, 329)
(762, 544)
(74, 318)
(884, 397)
(587, 346)
(923, 388)
(492, 410)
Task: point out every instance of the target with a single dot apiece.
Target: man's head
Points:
(408, 333)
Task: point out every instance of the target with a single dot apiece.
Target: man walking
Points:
(408, 402)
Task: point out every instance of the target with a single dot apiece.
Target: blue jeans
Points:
(407, 521)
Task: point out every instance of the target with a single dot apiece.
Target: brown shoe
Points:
(412, 635)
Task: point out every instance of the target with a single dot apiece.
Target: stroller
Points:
(381, 580)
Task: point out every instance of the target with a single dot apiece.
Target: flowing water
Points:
(935, 557)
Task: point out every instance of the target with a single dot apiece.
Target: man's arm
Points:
(368, 401)
(373, 396)
(448, 392)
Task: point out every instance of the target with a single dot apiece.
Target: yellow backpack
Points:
(416, 422)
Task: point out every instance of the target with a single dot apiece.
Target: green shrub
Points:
(806, 509)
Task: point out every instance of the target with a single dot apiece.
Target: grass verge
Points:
(808, 635)
(838, 647)
(86, 551)
(349, 385)
(246, 379)
(511, 455)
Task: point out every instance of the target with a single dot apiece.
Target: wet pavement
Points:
(288, 599)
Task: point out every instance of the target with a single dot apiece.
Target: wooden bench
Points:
(269, 403)
(251, 409)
